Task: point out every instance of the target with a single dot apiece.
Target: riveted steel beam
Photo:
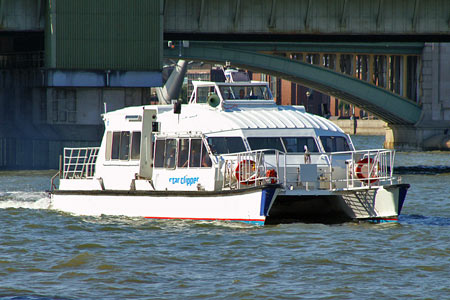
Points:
(361, 48)
(237, 13)
(308, 13)
(2, 9)
(379, 13)
(273, 11)
(342, 17)
(201, 14)
(415, 14)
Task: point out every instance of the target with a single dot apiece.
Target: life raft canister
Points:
(246, 171)
(271, 175)
(362, 170)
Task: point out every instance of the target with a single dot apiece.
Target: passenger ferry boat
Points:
(230, 154)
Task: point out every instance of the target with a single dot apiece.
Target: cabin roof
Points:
(202, 117)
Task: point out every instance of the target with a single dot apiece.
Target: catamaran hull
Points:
(266, 205)
(381, 204)
(251, 205)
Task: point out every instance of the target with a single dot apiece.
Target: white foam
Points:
(30, 200)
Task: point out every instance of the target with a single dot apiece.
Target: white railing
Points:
(331, 171)
(247, 169)
(79, 163)
(364, 169)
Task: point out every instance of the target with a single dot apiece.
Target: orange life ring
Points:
(272, 176)
(362, 171)
(246, 171)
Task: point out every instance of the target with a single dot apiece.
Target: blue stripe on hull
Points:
(266, 199)
(401, 198)
(381, 220)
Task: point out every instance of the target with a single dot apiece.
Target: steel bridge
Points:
(60, 60)
(390, 107)
(294, 20)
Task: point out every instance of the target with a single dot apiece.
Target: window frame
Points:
(335, 148)
(200, 158)
(314, 140)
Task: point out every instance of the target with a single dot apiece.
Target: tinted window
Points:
(206, 160)
(334, 143)
(183, 153)
(169, 159)
(124, 145)
(257, 143)
(245, 92)
(203, 92)
(194, 160)
(225, 145)
(159, 153)
(115, 149)
(135, 145)
(297, 144)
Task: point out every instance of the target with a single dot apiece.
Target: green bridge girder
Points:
(390, 107)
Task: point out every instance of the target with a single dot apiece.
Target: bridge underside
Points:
(387, 106)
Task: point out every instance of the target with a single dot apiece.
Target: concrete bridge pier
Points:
(432, 131)
(408, 137)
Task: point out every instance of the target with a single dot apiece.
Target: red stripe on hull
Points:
(206, 219)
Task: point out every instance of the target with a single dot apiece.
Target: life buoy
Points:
(271, 175)
(246, 171)
(362, 170)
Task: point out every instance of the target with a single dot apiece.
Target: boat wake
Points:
(30, 200)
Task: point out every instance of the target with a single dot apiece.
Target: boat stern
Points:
(381, 204)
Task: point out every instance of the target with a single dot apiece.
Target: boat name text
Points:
(184, 180)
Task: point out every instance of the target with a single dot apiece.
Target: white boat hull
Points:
(251, 205)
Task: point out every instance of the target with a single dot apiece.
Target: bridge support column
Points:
(432, 131)
(404, 137)
(401, 137)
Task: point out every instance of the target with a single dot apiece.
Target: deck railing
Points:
(331, 171)
(364, 168)
(247, 169)
(79, 163)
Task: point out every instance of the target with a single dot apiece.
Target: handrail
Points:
(335, 171)
(52, 181)
(79, 162)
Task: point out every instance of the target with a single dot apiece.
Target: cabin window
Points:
(206, 160)
(188, 153)
(160, 148)
(183, 153)
(334, 143)
(297, 144)
(254, 92)
(203, 92)
(226, 145)
(124, 145)
(257, 143)
(170, 153)
(136, 145)
(115, 149)
(194, 159)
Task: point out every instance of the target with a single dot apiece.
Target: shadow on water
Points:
(30, 297)
(428, 170)
(424, 220)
